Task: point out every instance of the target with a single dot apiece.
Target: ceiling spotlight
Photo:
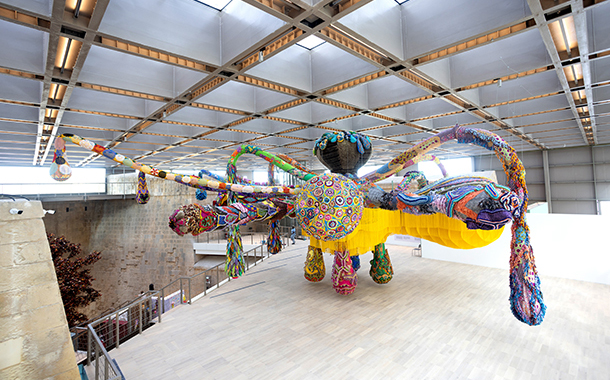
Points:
(49, 212)
(261, 56)
(15, 211)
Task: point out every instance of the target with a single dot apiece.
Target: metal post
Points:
(205, 285)
(117, 329)
(181, 290)
(140, 317)
(88, 347)
(106, 367)
(598, 210)
(217, 282)
(190, 297)
(97, 364)
(547, 180)
(160, 304)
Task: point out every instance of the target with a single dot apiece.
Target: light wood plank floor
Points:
(434, 320)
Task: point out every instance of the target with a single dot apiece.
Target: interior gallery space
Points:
(305, 189)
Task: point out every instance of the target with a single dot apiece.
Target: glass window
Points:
(37, 180)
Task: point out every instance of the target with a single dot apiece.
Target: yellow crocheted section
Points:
(376, 225)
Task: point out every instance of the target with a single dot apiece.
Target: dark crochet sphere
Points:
(343, 157)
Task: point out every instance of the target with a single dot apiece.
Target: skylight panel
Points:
(311, 42)
(216, 4)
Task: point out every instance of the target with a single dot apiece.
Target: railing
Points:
(104, 365)
(220, 236)
(100, 336)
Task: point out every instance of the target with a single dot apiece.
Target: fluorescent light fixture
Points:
(311, 42)
(216, 4)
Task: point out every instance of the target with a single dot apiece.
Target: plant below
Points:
(74, 280)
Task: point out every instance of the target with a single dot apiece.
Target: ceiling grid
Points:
(185, 84)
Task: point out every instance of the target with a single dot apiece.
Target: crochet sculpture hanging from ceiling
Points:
(347, 215)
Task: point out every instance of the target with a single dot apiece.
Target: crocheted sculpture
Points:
(330, 207)
(381, 268)
(315, 270)
(274, 242)
(460, 212)
(142, 196)
(60, 170)
(344, 276)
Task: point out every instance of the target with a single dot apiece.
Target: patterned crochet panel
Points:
(143, 196)
(315, 270)
(381, 268)
(344, 277)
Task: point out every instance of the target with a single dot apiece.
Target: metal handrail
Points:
(108, 362)
(111, 321)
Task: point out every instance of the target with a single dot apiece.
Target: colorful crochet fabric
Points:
(315, 270)
(381, 268)
(142, 196)
(60, 170)
(344, 277)
(330, 207)
(274, 242)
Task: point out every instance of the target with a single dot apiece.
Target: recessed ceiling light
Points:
(216, 4)
(311, 42)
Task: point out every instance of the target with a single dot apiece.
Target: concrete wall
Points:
(34, 338)
(579, 177)
(138, 248)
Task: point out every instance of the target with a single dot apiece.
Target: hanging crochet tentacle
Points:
(527, 303)
(143, 196)
(344, 276)
(314, 270)
(60, 169)
(234, 265)
(274, 242)
(381, 268)
(201, 194)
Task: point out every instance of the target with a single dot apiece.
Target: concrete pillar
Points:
(34, 337)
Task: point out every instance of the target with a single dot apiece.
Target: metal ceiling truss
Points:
(71, 38)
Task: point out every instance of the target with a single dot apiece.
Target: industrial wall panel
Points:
(571, 207)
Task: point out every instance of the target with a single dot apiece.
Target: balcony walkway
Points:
(434, 320)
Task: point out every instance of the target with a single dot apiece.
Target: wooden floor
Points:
(434, 320)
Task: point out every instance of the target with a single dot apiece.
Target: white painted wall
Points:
(567, 246)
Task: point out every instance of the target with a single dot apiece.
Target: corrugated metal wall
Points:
(579, 177)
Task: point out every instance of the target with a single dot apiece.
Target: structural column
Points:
(34, 337)
(547, 180)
